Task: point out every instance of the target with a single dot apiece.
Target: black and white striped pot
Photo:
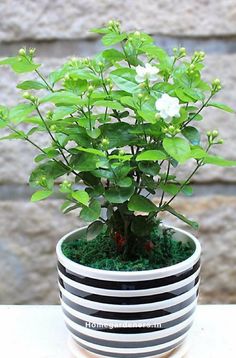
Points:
(129, 314)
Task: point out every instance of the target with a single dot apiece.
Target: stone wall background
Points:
(29, 232)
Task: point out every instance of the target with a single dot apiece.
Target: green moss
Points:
(101, 253)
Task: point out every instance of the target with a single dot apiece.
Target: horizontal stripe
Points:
(129, 308)
(73, 342)
(131, 276)
(136, 285)
(128, 330)
(129, 300)
(129, 293)
(130, 316)
(152, 321)
(126, 341)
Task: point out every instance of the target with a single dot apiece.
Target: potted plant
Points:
(119, 124)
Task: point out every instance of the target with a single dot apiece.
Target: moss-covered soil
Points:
(159, 250)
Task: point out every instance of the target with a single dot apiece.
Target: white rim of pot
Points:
(127, 276)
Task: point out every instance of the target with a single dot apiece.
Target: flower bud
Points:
(105, 142)
(90, 89)
(165, 130)
(216, 82)
(49, 114)
(192, 66)
(53, 127)
(140, 95)
(22, 52)
(32, 51)
(215, 133)
(220, 141)
(209, 134)
(182, 51)
(67, 77)
(137, 33)
(142, 85)
(86, 61)
(26, 95)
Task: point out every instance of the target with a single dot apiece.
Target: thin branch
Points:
(165, 181)
(200, 109)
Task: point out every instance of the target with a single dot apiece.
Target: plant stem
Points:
(44, 80)
(165, 181)
(125, 53)
(200, 163)
(182, 186)
(35, 145)
(55, 141)
(200, 109)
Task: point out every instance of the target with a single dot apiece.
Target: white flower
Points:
(168, 106)
(146, 73)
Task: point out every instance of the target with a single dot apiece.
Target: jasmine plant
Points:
(118, 124)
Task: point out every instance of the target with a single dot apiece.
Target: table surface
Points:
(39, 332)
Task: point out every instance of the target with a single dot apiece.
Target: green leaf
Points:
(150, 168)
(63, 97)
(123, 158)
(26, 85)
(170, 188)
(128, 101)
(20, 64)
(81, 196)
(222, 106)
(119, 195)
(93, 133)
(215, 160)
(158, 53)
(40, 195)
(113, 38)
(184, 97)
(192, 134)
(84, 162)
(20, 112)
(172, 211)
(92, 212)
(152, 155)
(125, 182)
(94, 229)
(109, 104)
(84, 74)
(92, 151)
(62, 111)
(103, 30)
(148, 116)
(66, 207)
(187, 190)
(124, 78)
(140, 203)
(197, 152)
(177, 148)
(113, 55)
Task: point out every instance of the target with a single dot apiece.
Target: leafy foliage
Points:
(118, 124)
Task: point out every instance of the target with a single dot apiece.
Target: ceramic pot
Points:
(129, 314)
